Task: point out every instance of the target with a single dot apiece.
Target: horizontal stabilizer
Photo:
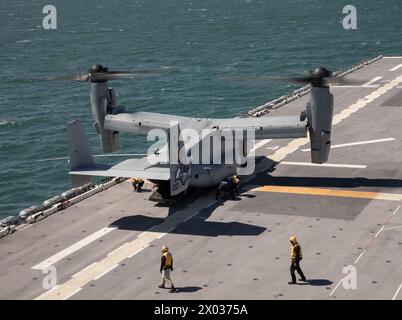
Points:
(139, 168)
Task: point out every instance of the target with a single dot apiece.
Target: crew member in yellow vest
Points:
(137, 184)
(166, 267)
(234, 181)
(295, 257)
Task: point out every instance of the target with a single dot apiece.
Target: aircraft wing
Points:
(143, 122)
(264, 127)
(267, 127)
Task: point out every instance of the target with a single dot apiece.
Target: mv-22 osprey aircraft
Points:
(175, 175)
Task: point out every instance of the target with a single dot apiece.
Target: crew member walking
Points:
(295, 257)
(166, 267)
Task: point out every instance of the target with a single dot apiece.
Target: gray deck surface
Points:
(239, 249)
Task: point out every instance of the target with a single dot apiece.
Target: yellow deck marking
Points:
(332, 193)
(127, 250)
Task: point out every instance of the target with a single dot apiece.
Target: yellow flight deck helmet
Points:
(293, 239)
(164, 249)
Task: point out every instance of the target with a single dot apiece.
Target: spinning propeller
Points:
(99, 73)
(320, 77)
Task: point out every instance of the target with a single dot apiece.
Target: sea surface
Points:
(220, 54)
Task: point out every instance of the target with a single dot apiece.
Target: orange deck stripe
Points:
(332, 193)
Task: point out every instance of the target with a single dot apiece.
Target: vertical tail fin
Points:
(79, 151)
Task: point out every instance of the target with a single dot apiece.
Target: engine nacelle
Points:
(103, 102)
(319, 114)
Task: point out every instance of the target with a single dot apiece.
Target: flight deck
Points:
(346, 212)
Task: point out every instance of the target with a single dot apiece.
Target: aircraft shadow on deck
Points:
(197, 226)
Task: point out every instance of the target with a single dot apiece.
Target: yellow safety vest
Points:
(293, 253)
(168, 259)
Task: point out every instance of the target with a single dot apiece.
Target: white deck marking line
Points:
(390, 228)
(73, 248)
(50, 290)
(85, 269)
(274, 148)
(163, 234)
(379, 231)
(371, 82)
(331, 165)
(112, 252)
(78, 282)
(396, 67)
(111, 261)
(393, 57)
(134, 253)
(361, 103)
(260, 144)
(397, 291)
(368, 246)
(356, 143)
(332, 292)
(358, 258)
(73, 293)
(105, 272)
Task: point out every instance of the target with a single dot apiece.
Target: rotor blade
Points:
(344, 81)
(77, 77)
(111, 75)
(327, 81)
(303, 80)
(142, 71)
(115, 76)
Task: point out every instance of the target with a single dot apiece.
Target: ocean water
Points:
(219, 54)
